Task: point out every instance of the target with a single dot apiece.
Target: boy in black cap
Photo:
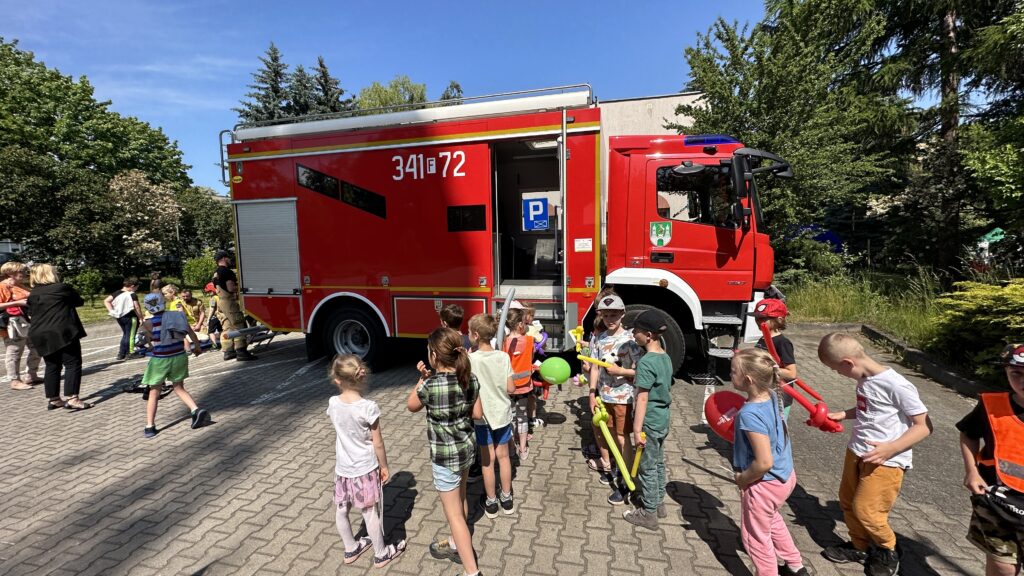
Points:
(994, 470)
(226, 282)
(651, 418)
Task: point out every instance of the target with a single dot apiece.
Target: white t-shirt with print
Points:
(353, 446)
(616, 389)
(885, 405)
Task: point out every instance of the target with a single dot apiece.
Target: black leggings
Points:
(125, 322)
(70, 357)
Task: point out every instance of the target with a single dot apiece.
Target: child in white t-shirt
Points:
(362, 464)
(891, 419)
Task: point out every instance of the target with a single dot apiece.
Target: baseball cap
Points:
(650, 321)
(1012, 355)
(209, 287)
(611, 302)
(221, 254)
(770, 308)
(154, 302)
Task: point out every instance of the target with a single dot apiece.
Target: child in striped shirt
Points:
(168, 360)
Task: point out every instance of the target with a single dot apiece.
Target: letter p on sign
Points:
(535, 214)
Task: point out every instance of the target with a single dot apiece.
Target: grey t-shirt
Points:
(885, 405)
(492, 369)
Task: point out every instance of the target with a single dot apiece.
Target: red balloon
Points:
(720, 409)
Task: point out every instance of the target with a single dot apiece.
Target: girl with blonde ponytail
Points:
(762, 459)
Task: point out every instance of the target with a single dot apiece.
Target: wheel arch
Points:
(662, 289)
(325, 307)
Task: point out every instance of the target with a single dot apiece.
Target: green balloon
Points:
(555, 371)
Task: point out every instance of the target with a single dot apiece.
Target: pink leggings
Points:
(764, 532)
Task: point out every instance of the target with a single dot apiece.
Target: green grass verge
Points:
(93, 312)
(905, 309)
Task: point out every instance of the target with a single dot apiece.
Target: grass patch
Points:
(906, 309)
(93, 312)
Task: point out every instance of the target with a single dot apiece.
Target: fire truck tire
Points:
(675, 345)
(350, 330)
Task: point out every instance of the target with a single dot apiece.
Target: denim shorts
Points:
(444, 479)
(485, 436)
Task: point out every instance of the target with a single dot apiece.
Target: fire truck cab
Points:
(360, 227)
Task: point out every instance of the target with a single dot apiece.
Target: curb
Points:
(925, 364)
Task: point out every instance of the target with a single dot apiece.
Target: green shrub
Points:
(88, 282)
(171, 280)
(198, 271)
(976, 321)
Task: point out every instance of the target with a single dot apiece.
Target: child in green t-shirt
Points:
(651, 418)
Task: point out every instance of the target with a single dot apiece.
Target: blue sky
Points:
(182, 65)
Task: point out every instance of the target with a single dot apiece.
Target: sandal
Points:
(395, 551)
(76, 404)
(362, 545)
(597, 465)
(54, 403)
(20, 385)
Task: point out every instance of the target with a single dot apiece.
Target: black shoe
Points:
(119, 358)
(605, 478)
(441, 550)
(882, 562)
(491, 508)
(616, 497)
(507, 505)
(244, 356)
(785, 570)
(230, 355)
(149, 431)
(844, 553)
(200, 418)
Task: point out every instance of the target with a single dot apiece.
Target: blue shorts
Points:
(444, 479)
(485, 436)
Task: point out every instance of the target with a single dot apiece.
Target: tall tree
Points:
(301, 93)
(329, 95)
(452, 93)
(268, 97)
(400, 91)
(785, 86)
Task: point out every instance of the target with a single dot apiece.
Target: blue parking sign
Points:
(535, 214)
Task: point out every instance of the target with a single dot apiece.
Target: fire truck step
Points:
(720, 352)
(722, 320)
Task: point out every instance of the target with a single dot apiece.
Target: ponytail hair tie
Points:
(460, 349)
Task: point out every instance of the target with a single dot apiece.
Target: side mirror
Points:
(740, 170)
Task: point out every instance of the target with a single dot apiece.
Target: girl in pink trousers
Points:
(762, 458)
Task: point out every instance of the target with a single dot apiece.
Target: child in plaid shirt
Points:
(449, 394)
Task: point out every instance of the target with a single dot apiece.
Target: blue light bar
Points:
(708, 139)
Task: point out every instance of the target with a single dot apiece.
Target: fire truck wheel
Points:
(350, 330)
(674, 343)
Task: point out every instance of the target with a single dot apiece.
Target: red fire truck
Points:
(358, 228)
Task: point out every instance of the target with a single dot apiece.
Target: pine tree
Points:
(269, 95)
(328, 92)
(301, 93)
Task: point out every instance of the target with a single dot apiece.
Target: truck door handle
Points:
(663, 257)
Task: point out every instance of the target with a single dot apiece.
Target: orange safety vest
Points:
(520, 351)
(1008, 434)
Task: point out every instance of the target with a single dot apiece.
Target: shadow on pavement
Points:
(705, 515)
(399, 498)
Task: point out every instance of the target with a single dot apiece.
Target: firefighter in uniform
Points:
(992, 446)
(226, 282)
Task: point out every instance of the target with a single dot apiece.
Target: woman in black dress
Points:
(56, 332)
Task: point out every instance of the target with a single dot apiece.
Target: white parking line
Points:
(285, 388)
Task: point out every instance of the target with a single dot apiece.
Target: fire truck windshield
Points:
(703, 197)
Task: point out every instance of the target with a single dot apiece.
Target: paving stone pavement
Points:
(85, 493)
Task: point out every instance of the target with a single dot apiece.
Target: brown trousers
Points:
(866, 495)
(227, 305)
